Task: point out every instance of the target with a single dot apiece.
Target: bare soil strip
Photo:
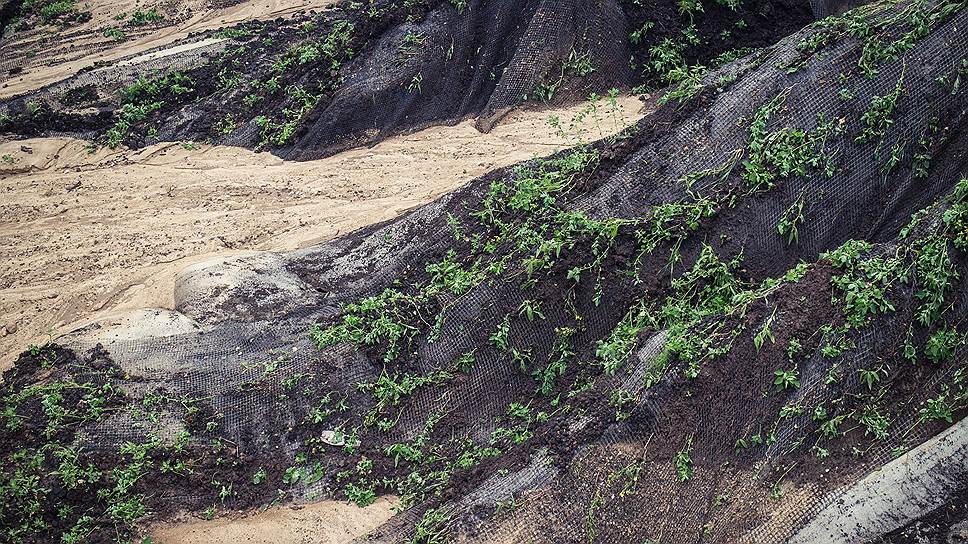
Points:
(48, 54)
(86, 236)
(328, 522)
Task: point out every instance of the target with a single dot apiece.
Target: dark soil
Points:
(485, 40)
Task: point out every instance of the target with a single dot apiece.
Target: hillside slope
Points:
(734, 321)
(314, 84)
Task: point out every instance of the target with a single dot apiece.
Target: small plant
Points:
(792, 217)
(466, 361)
(433, 527)
(794, 348)
(34, 108)
(786, 379)
(875, 423)
(689, 84)
(864, 282)
(877, 119)
(509, 504)
(667, 60)
(279, 133)
(143, 98)
(373, 320)
(786, 151)
(636, 37)
(251, 99)
(765, 333)
(226, 125)
(683, 461)
(416, 84)
(141, 18)
(614, 351)
(576, 64)
(561, 353)
(412, 42)
(937, 409)
(733, 5)
(306, 53)
(115, 34)
(58, 9)
(500, 336)
(690, 7)
(870, 377)
(941, 345)
(362, 492)
(531, 309)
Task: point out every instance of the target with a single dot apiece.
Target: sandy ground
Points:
(321, 523)
(86, 236)
(49, 54)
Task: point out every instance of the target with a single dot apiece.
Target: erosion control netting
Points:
(707, 328)
(314, 84)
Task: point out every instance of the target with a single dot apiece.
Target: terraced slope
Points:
(715, 326)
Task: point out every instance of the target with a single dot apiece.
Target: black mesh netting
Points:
(318, 83)
(713, 327)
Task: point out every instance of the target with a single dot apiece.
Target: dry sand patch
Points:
(84, 236)
(49, 54)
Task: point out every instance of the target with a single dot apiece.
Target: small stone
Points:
(338, 439)
(332, 438)
(11, 327)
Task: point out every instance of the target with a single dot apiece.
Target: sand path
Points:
(327, 522)
(49, 54)
(86, 236)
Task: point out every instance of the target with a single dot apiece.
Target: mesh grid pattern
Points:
(556, 504)
(572, 498)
